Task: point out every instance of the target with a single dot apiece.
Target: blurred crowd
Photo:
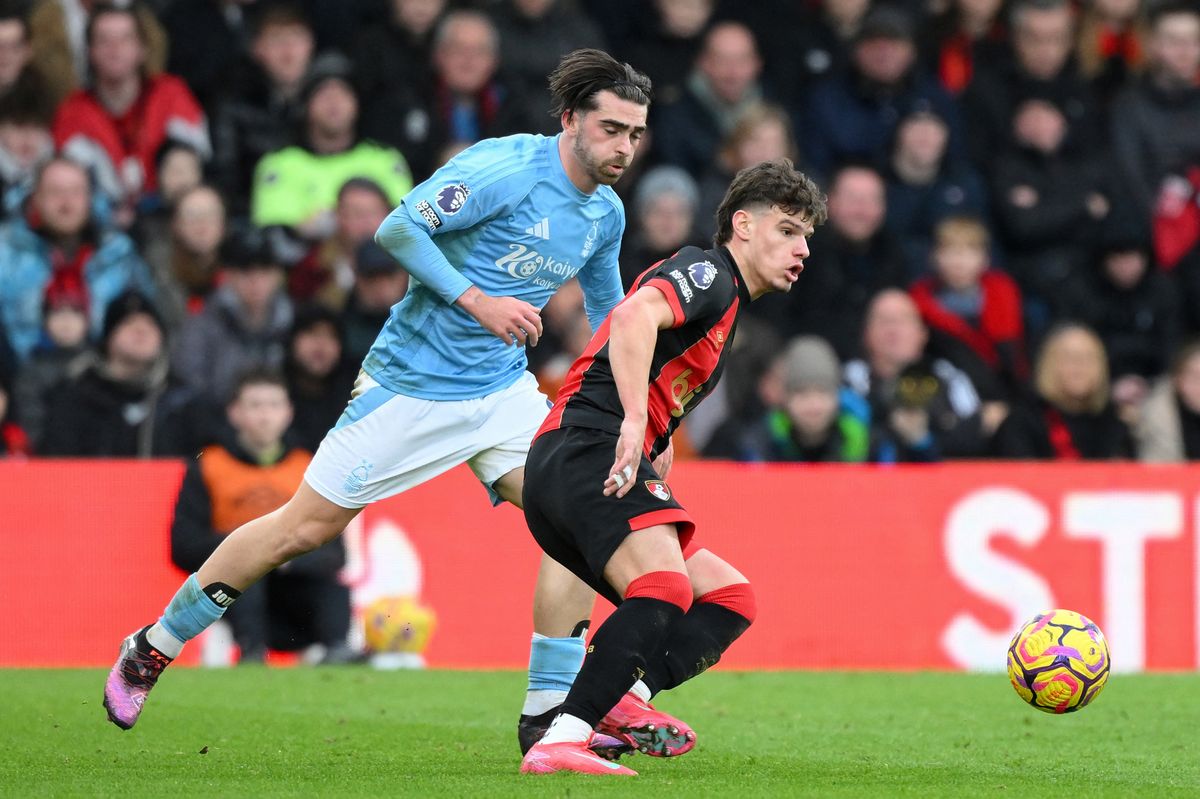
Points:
(1011, 266)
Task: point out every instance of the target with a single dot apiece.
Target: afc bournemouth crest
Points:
(659, 489)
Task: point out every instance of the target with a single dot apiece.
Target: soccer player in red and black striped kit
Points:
(615, 522)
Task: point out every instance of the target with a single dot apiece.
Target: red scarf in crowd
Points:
(1000, 320)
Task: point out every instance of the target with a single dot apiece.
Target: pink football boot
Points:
(570, 756)
(133, 675)
(647, 730)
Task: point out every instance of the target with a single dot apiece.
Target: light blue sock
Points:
(191, 611)
(553, 664)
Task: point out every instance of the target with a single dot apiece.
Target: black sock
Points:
(617, 656)
(693, 644)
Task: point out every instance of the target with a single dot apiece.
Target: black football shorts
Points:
(570, 517)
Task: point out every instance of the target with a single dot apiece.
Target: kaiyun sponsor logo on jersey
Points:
(524, 263)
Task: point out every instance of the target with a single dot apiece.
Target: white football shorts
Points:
(385, 443)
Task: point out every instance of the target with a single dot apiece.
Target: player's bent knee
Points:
(673, 587)
(738, 598)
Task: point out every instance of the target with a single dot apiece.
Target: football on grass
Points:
(1058, 661)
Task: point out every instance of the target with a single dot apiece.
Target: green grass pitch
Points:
(355, 732)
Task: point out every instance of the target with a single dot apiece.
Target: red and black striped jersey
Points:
(705, 291)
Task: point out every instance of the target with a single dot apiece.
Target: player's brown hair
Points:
(771, 183)
(582, 74)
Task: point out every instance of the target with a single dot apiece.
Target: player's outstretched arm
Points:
(633, 332)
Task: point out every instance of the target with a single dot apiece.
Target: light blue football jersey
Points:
(506, 216)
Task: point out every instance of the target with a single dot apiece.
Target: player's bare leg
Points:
(307, 521)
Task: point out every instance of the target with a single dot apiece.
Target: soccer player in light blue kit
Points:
(487, 240)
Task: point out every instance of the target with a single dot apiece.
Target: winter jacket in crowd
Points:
(111, 266)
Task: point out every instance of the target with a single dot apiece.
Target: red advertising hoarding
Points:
(854, 566)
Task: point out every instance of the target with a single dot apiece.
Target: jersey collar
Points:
(722, 252)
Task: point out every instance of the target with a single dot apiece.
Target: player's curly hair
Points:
(582, 74)
(771, 183)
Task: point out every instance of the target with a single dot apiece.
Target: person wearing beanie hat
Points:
(809, 418)
(121, 400)
(298, 186)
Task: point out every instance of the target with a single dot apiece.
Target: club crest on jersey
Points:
(452, 198)
(702, 274)
(589, 243)
(659, 489)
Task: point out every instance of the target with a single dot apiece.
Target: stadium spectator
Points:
(179, 169)
(966, 299)
(252, 470)
(1070, 414)
(965, 34)
(17, 73)
(1168, 425)
(122, 401)
(664, 217)
(1131, 306)
(379, 283)
(55, 243)
(723, 86)
(244, 323)
(533, 34)
(186, 263)
(464, 102)
(261, 110)
(923, 407)
(565, 333)
(14, 442)
(25, 144)
(117, 125)
(854, 115)
(801, 42)
(1043, 35)
(853, 257)
(1155, 119)
(762, 133)
(58, 32)
(298, 185)
(665, 37)
(207, 40)
(398, 54)
(64, 338)
(1110, 44)
(319, 377)
(326, 272)
(1050, 203)
(926, 186)
(810, 418)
